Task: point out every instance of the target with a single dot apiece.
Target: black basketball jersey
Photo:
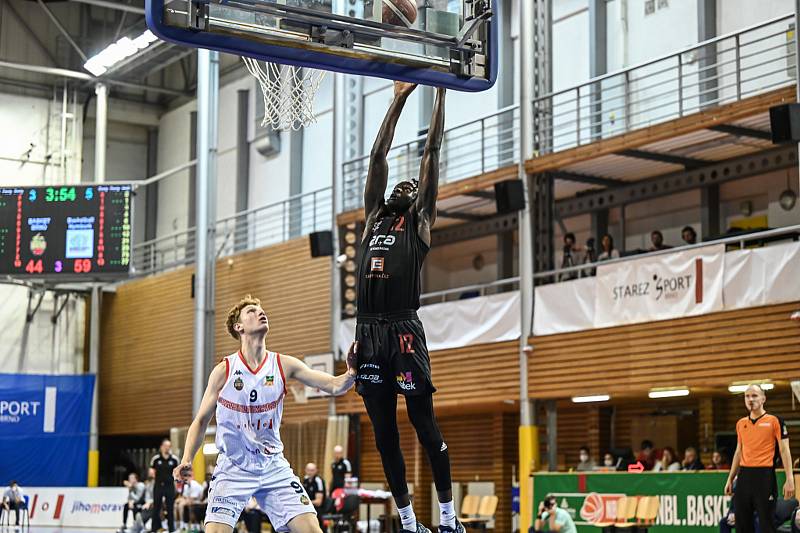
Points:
(389, 270)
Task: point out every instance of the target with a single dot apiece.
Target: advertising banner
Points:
(76, 507)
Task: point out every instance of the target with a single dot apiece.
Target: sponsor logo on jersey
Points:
(382, 242)
(406, 381)
(223, 511)
(238, 373)
(269, 381)
(372, 378)
(370, 365)
(304, 500)
(376, 264)
(444, 446)
(238, 384)
(224, 500)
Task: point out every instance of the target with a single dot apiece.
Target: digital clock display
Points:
(61, 231)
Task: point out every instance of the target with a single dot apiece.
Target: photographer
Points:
(551, 517)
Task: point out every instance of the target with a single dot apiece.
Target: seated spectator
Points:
(13, 500)
(718, 461)
(191, 493)
(668, 461)
(609, 461)
(647, 455)
(609, 252)
(688, 235)
(315, 487)
(657, 240)
(135, 499)
(586, 462)
(252, 516)
(551, 517)
(691, 461)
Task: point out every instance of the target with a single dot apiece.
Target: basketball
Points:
(391, 8)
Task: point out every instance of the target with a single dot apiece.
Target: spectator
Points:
(647, 455)
(13, 499)
(691, 461)
(586, 462)
(315, 487)
(341, 468)
(135, 499)
(609, 461)
(191, 493)
(609, 252)
(718, 461)
(569, 257)
(657, 239)
(551, 517)
(688, 235)
(164, 462)
(146, 512)
(590, 256)
(668, 461)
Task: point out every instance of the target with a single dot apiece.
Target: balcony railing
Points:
(254, 228)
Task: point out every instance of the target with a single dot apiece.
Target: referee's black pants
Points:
(167, 492)
(756, 493)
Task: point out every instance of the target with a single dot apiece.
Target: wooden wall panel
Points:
(147, 333)
(705, 352)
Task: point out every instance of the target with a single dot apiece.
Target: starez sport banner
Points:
(661, 287)
(690, 502)
(76, 507)
(44, 429)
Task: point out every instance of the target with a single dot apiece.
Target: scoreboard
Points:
(66, 231)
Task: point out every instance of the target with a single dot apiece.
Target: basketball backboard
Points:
(449, 43)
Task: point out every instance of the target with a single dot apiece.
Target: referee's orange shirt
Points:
(759, 439)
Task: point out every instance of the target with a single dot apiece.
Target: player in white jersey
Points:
(246, 390)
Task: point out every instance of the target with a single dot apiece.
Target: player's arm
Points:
(194, 437)
(335, 385)
(429, 169)
(786, 459)
(378, 173)
(737, 457)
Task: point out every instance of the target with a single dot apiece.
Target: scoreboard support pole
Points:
(93, 474)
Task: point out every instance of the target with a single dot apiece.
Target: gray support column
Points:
(295, 183)
(151, 190)
(505, 256)
(598, 61)
(707, 29)
(207, 120)
(552, 435)
(242, 168)
(709, 211)
(599, 227)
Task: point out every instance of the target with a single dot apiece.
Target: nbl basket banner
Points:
(661, 287)
(44, 429)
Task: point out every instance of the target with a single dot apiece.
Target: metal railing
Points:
(760, 238)
(470, 149)
(712, 73)
(254, 228)
(715, 72)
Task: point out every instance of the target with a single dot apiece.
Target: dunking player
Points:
(392, 356)
(247, 390)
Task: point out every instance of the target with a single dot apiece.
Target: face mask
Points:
(584, 457)
(608, 462)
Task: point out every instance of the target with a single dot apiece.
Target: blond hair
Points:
(235, 314)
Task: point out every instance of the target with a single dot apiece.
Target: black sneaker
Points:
(447, 529)
(420, 529)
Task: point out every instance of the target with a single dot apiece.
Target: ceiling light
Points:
(593, 398)
(741, 387)
(668, 393)
(210, 448)
(99, 63)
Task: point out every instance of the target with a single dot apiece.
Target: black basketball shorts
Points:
(392, 355)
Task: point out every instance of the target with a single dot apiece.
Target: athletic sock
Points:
(447, 514)
(408, 518)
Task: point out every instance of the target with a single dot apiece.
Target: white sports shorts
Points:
(277, 490)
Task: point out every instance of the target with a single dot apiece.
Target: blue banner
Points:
(44, 429)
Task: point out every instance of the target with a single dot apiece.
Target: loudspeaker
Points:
(784, 121)
(321, 243)
(509, 196)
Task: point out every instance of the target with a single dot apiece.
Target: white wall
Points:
(733, 15)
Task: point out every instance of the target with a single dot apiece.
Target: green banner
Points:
(691, 501)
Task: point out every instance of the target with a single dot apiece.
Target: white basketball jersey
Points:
(249, 411)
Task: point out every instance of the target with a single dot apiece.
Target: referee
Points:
(760, 436)
(164, 463)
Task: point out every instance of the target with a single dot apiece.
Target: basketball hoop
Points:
(288, 92)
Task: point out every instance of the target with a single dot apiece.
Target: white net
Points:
(288, 93)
